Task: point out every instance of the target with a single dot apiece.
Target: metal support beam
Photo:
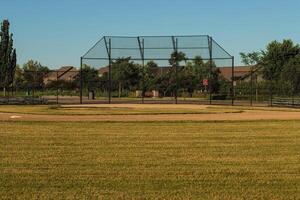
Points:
(142, 52)
(175, 47)
(210, 69)
(108, 50)
(110, 79)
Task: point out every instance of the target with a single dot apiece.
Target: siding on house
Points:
(66, 73)
(239, 71)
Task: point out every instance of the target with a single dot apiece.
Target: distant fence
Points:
(55, 87)
(256, 90)
(156, 69)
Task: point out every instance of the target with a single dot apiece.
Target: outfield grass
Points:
(146, 160)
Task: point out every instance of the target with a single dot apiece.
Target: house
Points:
(239, 72)
(226, 72)
(157, 71)
(102, 71)
(65, 73)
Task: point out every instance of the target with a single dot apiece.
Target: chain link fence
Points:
(160, 69)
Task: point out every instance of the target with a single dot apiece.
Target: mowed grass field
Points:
(150, 160)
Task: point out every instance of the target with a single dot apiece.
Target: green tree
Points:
(33, 74)
(149, 73)
(276, 56)
(203, 70)
(127, 74)
(163, 84)
(90, 77)
(215, 76)
(252, 58)
(278, 65)
(8, 57)
(19, 77)
(188, 78)
(175, 60)
(291, 74)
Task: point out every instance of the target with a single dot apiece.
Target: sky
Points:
(58, 32)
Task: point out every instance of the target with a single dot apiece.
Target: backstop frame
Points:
(141, 47)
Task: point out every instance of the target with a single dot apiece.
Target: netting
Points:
(158, 68)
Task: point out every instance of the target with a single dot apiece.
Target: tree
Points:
(276, 56)
(188, 78)
(291, 74)
(19, 77)
(90, 77)
(149, 73)
(278, 65)
(204, 70)
(252, 58)
(8, 57)
(163, 84)
(176, 58)
(126, 73)
(33, 74)
(215, 76)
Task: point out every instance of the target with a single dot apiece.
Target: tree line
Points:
(278, 66)
(129, 76)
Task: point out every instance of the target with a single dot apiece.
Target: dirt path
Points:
(246, 115)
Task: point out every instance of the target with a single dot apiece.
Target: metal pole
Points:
(33, 86)
(176, 71)
(232, 82)
(175, 51)
(143, 63)
(210, 69)
(142, 49)
(251, 88)
(293, 98)
(109, 71)
(56, 87)
(81, 80)
(271, 91)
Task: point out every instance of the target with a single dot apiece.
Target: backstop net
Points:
(164, 69)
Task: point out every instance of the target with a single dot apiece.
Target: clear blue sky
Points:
(58, 32)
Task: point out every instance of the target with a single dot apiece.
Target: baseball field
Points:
(149, 152)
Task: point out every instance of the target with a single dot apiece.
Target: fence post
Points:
(271, 92)
(109, 72)
(176, 70)
(251, 88)
(57, 87)
(142, 49)
(232, 82)
(81, 80)
(210, 69)
(175, 43)
(33, 86)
